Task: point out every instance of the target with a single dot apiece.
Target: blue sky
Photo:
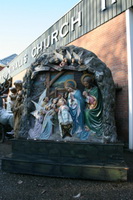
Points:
(23, 21)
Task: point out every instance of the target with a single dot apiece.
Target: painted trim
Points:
(129, 28)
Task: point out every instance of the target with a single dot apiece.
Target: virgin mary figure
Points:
(76, 105)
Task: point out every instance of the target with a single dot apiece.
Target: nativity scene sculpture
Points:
(68, 94)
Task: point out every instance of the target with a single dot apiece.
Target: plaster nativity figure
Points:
(17, 107)
(43, 126)
(76, 105)
(11, 98)
(36, 130)
(94, 107)
(6, 118)
(64, 118)
(47, 126)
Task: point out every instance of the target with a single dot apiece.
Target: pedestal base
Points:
(67, 159)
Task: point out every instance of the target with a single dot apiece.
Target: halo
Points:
(71, 81)
(86, 75)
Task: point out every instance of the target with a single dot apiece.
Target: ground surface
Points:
(27, 187)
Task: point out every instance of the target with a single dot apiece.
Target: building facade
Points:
(104, 27)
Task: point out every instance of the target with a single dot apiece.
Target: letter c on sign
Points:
(62, 28)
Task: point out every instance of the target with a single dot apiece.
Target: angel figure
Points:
(34, 132)
(43, 119)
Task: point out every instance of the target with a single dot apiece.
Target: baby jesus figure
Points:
(91, 100)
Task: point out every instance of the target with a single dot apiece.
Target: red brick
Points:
(108, 42)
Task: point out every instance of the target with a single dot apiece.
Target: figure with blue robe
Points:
(76, 104)
(34, 132)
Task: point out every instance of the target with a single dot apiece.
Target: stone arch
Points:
(83, 60)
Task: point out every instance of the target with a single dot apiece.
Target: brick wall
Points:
(108, 42)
